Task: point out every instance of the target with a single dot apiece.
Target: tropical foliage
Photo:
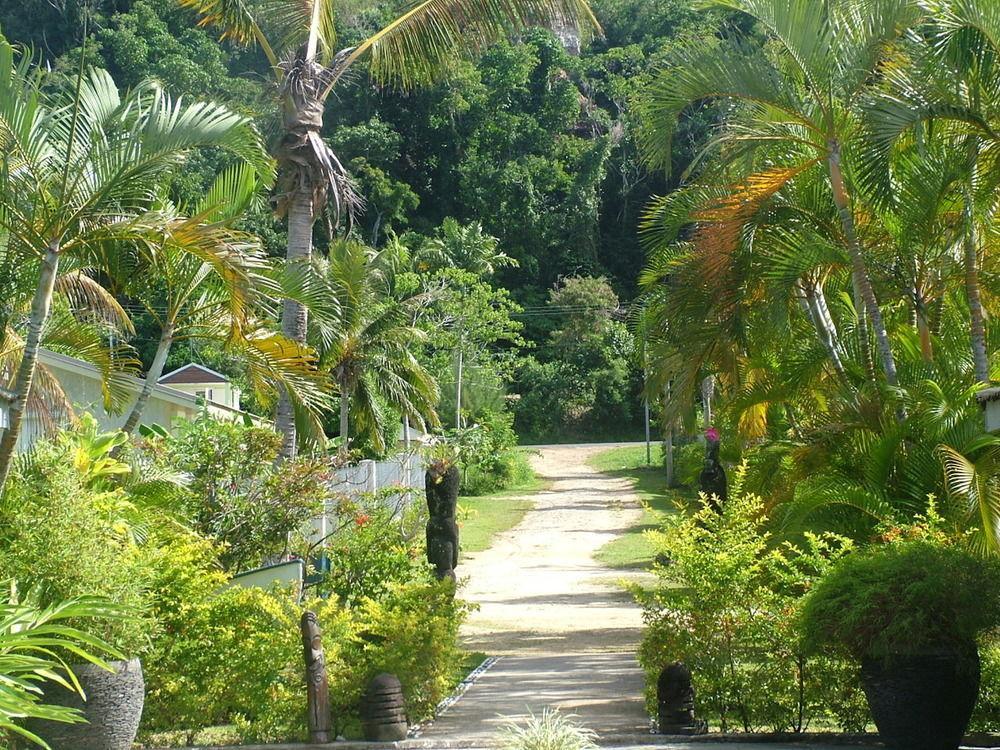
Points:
(34, 643)
(827, 261)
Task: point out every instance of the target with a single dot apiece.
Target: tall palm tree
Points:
(801, 92)
(464, 246)
(300, 43)
(369, 343)
(81, 168)
(86, 322)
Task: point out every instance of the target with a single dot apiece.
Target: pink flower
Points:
(712, 434)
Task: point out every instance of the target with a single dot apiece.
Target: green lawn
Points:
(632, 550)
(481, 518)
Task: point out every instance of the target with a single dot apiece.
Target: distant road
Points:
(587, 445)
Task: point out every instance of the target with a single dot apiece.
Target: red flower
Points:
(362, 519)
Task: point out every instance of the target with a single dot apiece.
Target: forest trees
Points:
(300, 43)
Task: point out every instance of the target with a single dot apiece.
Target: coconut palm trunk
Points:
(345, 415)
(294, 316)
(152, 377)
(40, 306)
(858, 269)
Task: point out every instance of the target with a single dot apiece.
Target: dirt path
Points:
(564, 631)
(538, 588)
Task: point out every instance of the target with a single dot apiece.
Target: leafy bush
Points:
(237, 495)
(228, 656)
(490, 457)
(904, 597)
(375, 548)
(235, 657)
(412, 633)
(65, 532)
(987, 715)
(725, 605)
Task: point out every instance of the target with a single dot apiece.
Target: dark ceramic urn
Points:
(112, 710)
(922, 702)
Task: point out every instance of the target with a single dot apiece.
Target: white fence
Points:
(403, 472)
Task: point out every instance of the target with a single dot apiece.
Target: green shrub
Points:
(489, 455)
(228, 657)
(904, 597)
(235, 657)
(725, 605)
(987, 715)
(688, 462)
(63, 532)
(238, 496)
(413, 633)
(375, 548)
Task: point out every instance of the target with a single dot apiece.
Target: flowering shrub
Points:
(375, 546)
(726, 606)
(237, 495)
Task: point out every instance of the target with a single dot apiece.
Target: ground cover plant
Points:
(134, 523)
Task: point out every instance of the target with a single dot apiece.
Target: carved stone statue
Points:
(383, 711)
(317, 687)
(441, 488)
(712, 480)
(675, 702)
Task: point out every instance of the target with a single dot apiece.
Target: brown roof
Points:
(193, 373)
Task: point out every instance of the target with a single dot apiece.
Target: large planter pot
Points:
(113, 709)
(922, 702)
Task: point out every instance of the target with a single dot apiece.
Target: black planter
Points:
(113, 709)
(922, 702)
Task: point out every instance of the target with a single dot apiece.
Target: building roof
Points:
(192, 373)
(988, 394)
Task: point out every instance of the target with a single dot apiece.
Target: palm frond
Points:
(418, 46)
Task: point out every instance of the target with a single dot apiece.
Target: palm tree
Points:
(189, 298)
(798, 97)
(369, 344)
(33, 643)
(952, 85)
(86, 322)
(462, 246)
(299, 41)
(82, 168)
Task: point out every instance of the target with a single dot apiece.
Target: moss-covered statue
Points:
(441, 484)
(712, 480)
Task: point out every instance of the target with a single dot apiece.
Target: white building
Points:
(201, 382)
(198, 388)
